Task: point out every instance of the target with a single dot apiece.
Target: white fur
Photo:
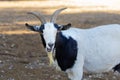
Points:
(49, 34)
(98, 49)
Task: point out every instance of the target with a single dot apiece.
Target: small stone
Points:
(11, 78)
(6, 52)
(10, 67)
(0, 61)
(4, 44)
(2, 71)
(114, 77)
(13, 45)
(1, 76)
(90, 76)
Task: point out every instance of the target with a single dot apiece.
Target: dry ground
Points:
(22, 56)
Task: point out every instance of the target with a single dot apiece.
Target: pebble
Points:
(4, 44)
(10, 67)
(11, 78)
(1, 76)
(0, 61)
(13, 45)
(90, 76)
(2, 71)
(6, 52)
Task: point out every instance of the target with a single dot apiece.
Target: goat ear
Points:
(33, 28)
(65, 27)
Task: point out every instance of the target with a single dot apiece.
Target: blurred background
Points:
(22, 56)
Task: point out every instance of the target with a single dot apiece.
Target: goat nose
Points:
(50, 45)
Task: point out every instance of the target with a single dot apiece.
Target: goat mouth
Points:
(50, 54)
(49, 49)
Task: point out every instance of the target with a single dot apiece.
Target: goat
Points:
(76, 50)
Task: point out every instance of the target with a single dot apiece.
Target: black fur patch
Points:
(56, 26)
(66, 51)
(43, 41)
(41, 28)
(63, 27)
(117, 68)
(67, 26)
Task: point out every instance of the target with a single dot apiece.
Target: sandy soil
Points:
(22, 56)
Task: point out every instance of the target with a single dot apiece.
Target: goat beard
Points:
(50, 56)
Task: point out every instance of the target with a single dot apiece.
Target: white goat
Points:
(75, 50)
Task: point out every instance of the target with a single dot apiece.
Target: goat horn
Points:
(39, 16)
(55, 14)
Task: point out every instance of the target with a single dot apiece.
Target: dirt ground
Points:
(22, 56)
